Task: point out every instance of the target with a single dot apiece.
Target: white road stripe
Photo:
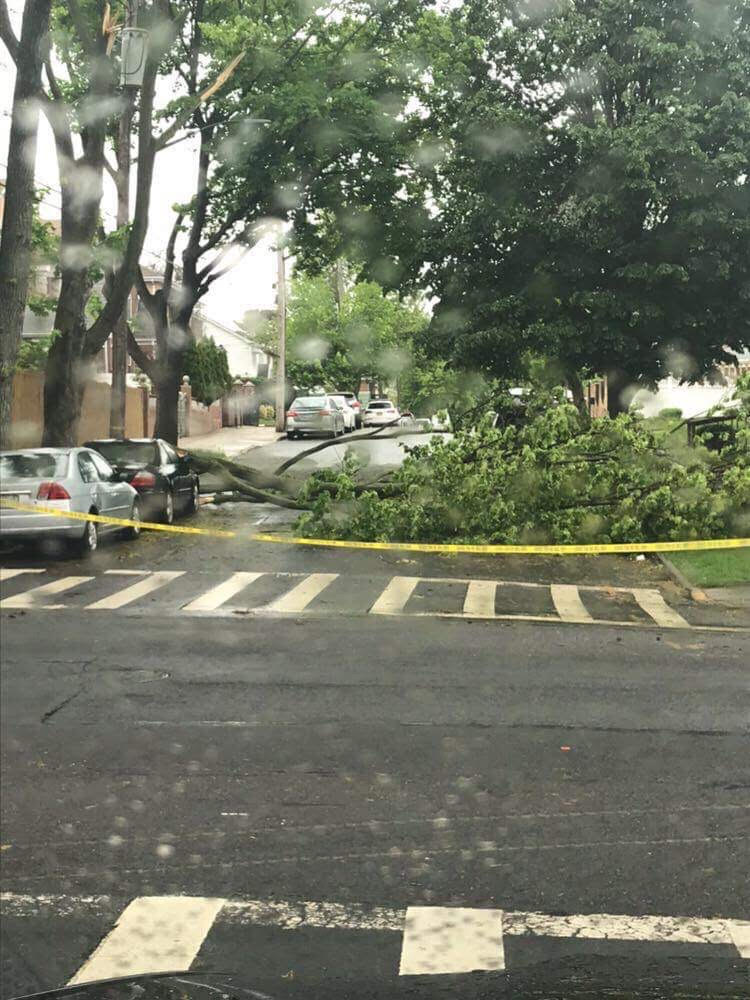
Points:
(618, 927)
(153, 934)
(443, 939)
(300, 596)
(568, 603)
(214, 598)
(122, 597)
(8, 574)
(480, 599)
(654, 605)
(30, 598)
(395, 595)
(740, 932)
(353, 916)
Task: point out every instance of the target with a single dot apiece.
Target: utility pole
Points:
(118, 393)
(281, 361)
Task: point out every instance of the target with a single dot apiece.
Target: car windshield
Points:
(310, 402)
(433, 689)
(32, 465)
(127, 452)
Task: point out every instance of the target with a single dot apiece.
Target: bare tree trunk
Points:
(167, 399)
(16, 240)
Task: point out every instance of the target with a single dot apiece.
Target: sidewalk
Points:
(231, 441)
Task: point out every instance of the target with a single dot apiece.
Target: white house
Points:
(246, 359)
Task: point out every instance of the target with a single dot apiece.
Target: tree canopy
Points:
(341, 331)
(585, 170)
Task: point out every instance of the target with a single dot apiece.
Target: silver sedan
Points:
(319, 414)
(64, 479)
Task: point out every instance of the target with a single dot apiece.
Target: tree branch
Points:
(112, 171)
(6, 31)
(169, 269)
(136, 352)
(187, 113)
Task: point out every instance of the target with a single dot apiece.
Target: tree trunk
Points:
(618, 398)
(576, 387)
(167, 397)
(64, 383)
(18, 217)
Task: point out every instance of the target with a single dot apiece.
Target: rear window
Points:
(32, 465)
(341, 400)
(127, 452)
(381, 404)
(311, 402)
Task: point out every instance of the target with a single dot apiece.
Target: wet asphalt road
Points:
(351, 759)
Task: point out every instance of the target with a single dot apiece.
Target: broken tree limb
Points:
(251, 484)
(338, 441)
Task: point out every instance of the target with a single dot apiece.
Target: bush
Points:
(555, 478)
(671, 413)
(208, 370)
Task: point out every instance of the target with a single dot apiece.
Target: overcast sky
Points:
(248, 286)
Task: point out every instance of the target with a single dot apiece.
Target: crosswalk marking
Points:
(165, 933)
(214, 598)
(480, 599)
(568, 603)
(440, 940)
(30, 598)
(654, 605)
(153, 934)
(740, 932)
(395, 595)
(8, 574)
(300, 596)
(122, 597)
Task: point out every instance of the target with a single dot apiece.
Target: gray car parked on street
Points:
(64, 479)
(315, 414)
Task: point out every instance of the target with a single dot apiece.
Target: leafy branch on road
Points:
(556, 476)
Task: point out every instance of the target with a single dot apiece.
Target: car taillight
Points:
(292, 413)
(325, 413)
(356, 405)
(143, 479)
(390, 411)
(52, 491)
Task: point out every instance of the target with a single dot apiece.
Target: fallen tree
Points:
(556, 478)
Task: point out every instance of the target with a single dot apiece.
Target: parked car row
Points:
(335, 413)
(141, 479)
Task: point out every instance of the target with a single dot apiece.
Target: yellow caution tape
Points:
(75, 515)
(537, 550)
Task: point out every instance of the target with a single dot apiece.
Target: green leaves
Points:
(207, 367)
(555, 478)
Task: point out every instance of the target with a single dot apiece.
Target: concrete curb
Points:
(682, 580)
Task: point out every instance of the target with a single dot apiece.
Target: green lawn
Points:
(719, 568)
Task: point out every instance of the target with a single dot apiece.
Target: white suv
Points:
(380, 411)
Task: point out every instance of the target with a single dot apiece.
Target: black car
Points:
(163, 478)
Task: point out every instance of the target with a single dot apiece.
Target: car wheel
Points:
(88, 543)
(167, 514)
(291, 435)
(134, 531)
(195, 498)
